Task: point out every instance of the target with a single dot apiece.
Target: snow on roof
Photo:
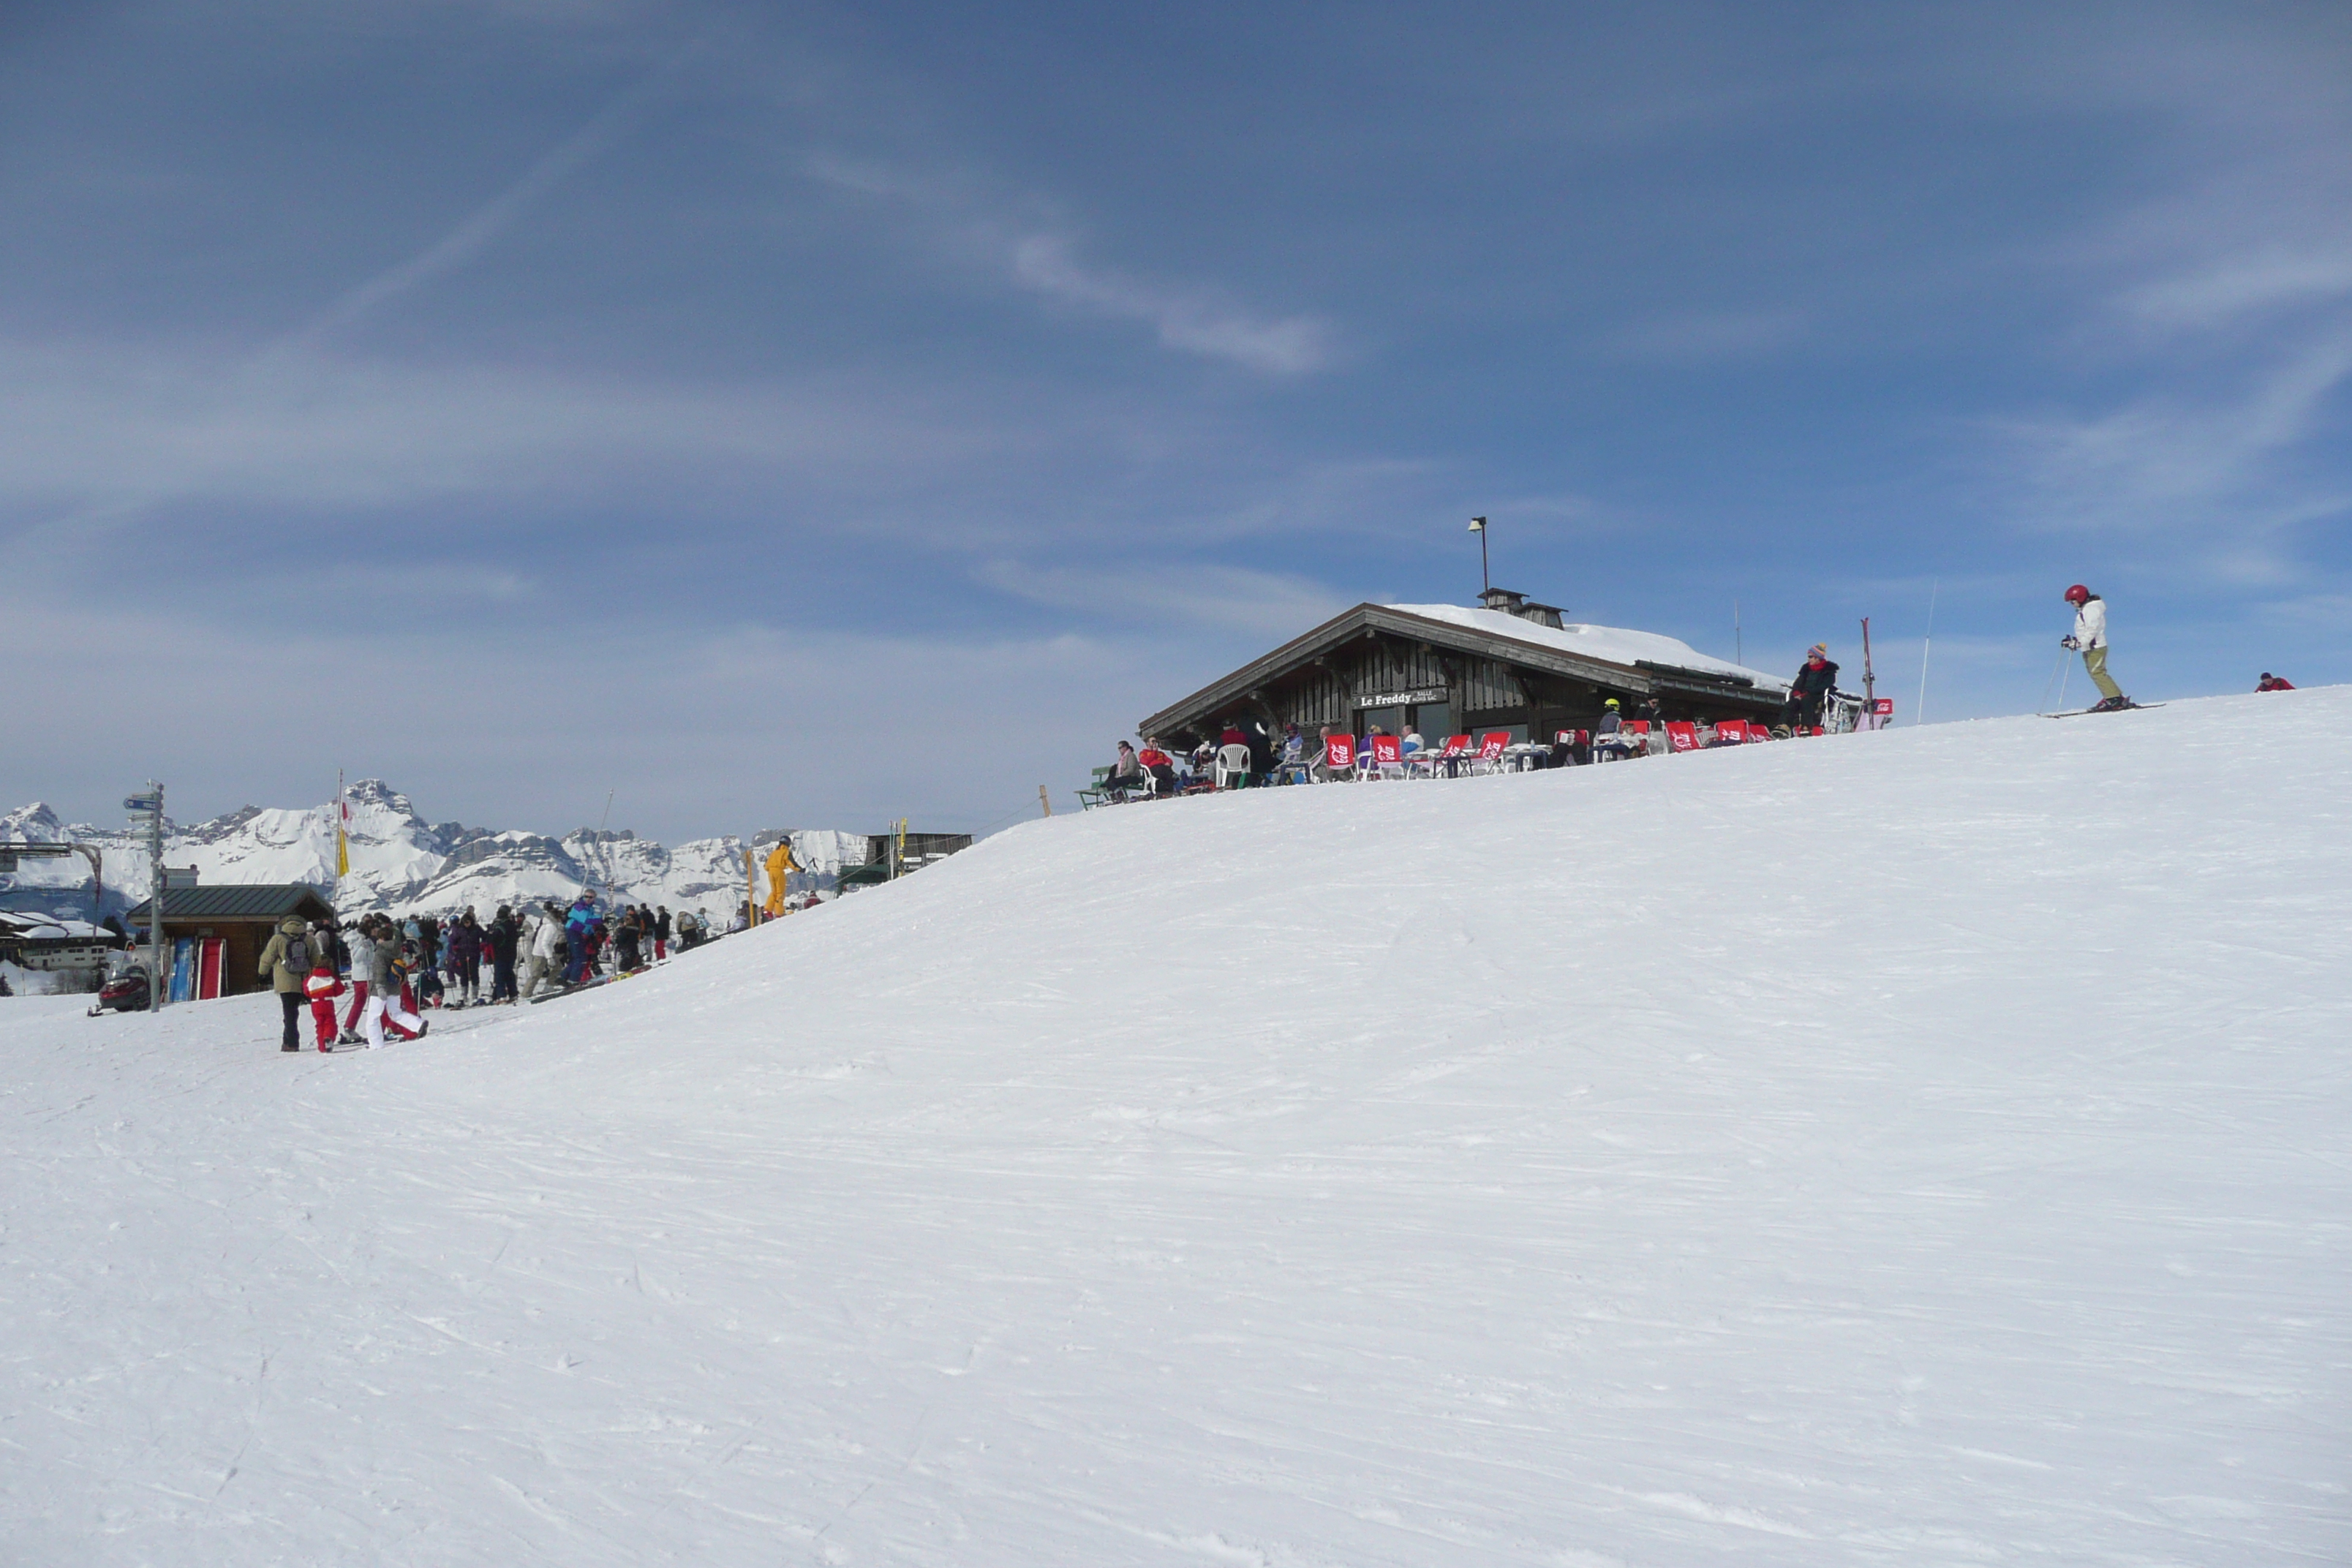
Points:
(1616, 643)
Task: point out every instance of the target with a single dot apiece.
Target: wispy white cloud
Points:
(1191, 319)
(2214, 466)
(1703, 336)
(111, 430)
(701, 725)
(494, 217)
(1268, 603)
(1012, 238)
(2265, 279)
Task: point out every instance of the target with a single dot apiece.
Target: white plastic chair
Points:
(1233, 766)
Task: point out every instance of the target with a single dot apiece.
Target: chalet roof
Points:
(1620, 646)
(237, 901)
(1639, 663)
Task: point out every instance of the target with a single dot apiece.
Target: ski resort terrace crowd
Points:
(1246, 753)
(393, 971)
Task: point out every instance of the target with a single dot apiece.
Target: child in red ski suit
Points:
(323, 986)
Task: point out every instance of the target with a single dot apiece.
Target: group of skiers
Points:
(393, 969)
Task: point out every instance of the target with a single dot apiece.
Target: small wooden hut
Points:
(242, 916)
(1507, 664)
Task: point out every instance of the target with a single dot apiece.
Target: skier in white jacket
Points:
(2090, 636)
(544, 937)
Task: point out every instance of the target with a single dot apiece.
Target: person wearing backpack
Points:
(286, 964)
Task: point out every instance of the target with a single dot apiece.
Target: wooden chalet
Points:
(1508, 664)
(242, 917)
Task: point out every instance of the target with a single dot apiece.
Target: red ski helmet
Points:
(2077, 595)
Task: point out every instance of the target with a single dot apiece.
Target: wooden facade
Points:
(1377, 664)
(245, 916)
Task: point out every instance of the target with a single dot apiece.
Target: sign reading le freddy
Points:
(1399, 698)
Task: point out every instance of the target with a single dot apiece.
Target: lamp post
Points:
(1485, 581)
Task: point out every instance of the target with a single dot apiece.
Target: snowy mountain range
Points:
(399, 860)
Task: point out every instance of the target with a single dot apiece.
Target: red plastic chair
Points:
(1731, 731)
(1682, 735)
(1388, 753)
(1339, 755)
(1490, 750)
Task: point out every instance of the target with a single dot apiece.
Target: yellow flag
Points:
(342, 834)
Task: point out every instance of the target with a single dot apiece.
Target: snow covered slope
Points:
(1916, 1147)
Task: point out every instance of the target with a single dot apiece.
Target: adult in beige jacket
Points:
(286, 962)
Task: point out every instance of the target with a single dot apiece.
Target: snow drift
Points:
(1923, 1147)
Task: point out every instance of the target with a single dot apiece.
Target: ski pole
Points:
(2068, 666)
(2053, 681)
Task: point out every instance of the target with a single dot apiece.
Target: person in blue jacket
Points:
(577, 927)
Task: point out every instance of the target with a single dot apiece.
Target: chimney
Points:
(1512, 603)
(1542, 614)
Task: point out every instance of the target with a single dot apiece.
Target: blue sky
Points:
(784, 416)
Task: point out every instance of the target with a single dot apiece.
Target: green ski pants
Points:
(2095, 659)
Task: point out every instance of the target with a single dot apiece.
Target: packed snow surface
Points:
(1925, 1147)
(1617, 644)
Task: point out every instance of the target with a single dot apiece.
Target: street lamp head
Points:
(1477, 525)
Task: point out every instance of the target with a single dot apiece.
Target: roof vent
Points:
(179, 876)
(1510, 602)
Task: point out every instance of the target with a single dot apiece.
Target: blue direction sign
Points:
(141, 802)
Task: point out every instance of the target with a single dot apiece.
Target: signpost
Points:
(149, 806)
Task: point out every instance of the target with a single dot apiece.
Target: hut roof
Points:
(1612, 656)
(237, 901)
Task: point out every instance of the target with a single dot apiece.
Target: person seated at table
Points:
(1412, 741)
(1126, 774)
(1319, 767)
(1233, 734)
(1158, 766)
(1609, 742)
(1290, 764)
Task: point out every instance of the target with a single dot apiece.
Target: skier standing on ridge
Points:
(661, 933)
(1815, 679)
(2089, 637)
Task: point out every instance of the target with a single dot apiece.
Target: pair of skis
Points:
(2127, 708)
